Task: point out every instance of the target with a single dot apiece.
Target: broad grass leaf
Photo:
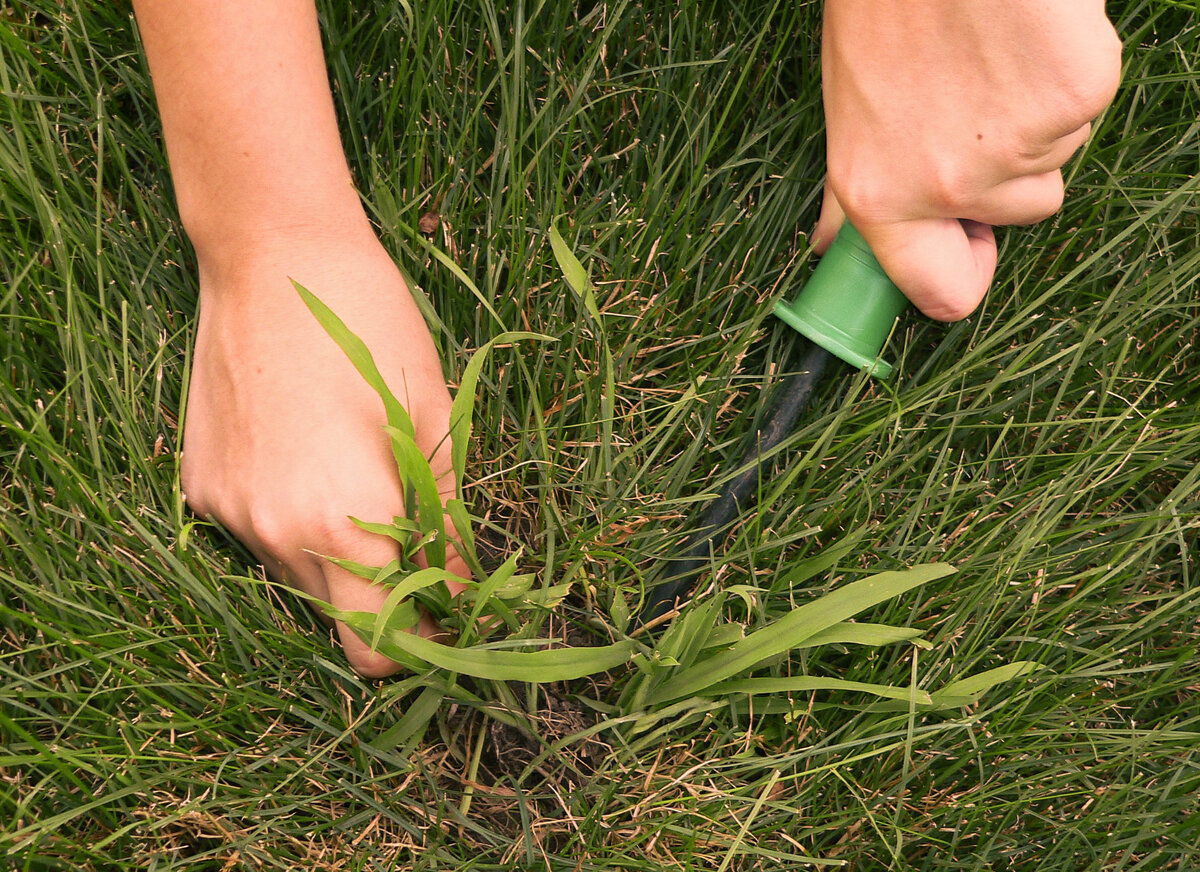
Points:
(542, 597)
(874, 635)
(573, 271)
(412, 725)
(820, 562)
(794, 629)
(969, 690)
(539, 667)
(419, 580)
(456, 509)
(430, 516)
(618, 610)
(695, 637)
(514, 588)
(804, 683)
(679, 645)
(355, 349)
(519, 591)
(401, 529)
(488, 588)
(724, 635)
(688, 633)
(374, 574)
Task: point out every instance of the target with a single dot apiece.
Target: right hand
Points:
(946, 117)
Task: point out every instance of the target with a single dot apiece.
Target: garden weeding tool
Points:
(847, 310)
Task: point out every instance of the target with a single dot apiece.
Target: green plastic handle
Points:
(849, 305)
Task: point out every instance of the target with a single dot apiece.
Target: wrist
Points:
(226, 235)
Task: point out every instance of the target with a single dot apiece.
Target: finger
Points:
(352, 593)
(265, 542)
(829, 223)
(1023, 200)
(1059, 152)
(943, 266)
(1039, 158)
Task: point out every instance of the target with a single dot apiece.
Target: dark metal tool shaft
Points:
(787, 403)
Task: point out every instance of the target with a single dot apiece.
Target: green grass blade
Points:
(871, 635)
(538, 667)
(573, 271)
(413, 723)
(824, 560)
(488, 588)
(401, 529)
(386, 619)
(355, 349)
(430, 515)
(462, 409)
(804, 683)
(374, 574)
(795, 628)
(969, 690)
(456, 509)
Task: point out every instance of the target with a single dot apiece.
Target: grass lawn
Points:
(163, 706)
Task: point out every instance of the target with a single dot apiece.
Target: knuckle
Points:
(860, 193)
(1095, 82)
(315, 519)
(272, 526)
(1021, 145)
(949, 189)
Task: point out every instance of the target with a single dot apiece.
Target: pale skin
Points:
(282, 438)
(945, 117)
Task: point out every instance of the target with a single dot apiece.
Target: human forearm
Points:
(248, 118)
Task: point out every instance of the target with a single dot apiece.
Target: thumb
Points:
(943, 265)
(829, 223)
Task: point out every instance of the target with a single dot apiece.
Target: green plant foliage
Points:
(164, 707)
(691, 661)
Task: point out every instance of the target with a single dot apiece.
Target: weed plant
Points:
(165, 706)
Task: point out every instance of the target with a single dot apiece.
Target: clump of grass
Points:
(700, 660)
(163, 706)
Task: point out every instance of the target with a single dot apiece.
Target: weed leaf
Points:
(430, 516)
(397, 597)
(872, 635)
(355, 349)
(794, 629)
(969, 690)
(803, 683)
(572, 270)
(555, 664)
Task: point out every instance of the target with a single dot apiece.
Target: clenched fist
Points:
(945, 117)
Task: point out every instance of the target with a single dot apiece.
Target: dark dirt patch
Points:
(509, 751)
